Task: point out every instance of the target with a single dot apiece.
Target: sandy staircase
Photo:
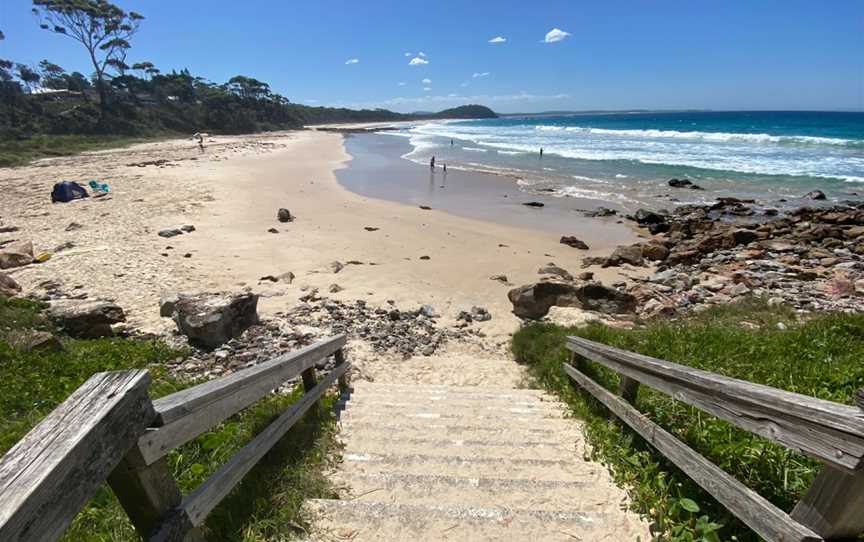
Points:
(428, 462)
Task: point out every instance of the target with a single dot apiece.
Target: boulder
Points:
(210, 320)
(284, 215)
(534, 300)
(476, 314)
(534, 204)
(643, 217)
(34, 341)
(680, 183)
(16, 254)
(815, 195)
(188, 228)
(8, 286)
(168, 304)
(86, 319)
(631, 254)
(571, 241)
(552, 269)
(169, 232)
(654, 251)
(600, 212)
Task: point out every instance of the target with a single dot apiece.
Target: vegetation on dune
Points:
(136, 99)
(820, 357)
(265, 506)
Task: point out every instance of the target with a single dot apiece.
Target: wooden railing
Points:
(110, 429)
(833, 506)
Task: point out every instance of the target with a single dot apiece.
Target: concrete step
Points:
(361, 521)
(469, 447)
(364, 462)
(543, 430)
(482, 416)
(434, 489)
(453, 404)
(396, 389)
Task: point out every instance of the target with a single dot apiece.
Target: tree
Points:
(248, 87)
(101, 27)
(28, 76)
(53, 76)
(77, 82)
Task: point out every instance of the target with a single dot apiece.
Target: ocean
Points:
(626, 159)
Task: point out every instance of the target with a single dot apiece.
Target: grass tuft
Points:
(820, 357)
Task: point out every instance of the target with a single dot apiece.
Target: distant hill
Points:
(472, 111)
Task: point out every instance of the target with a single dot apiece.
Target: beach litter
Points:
(66, 191)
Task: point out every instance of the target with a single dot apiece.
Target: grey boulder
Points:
(533, 301)
(86, 319)
(210, 320)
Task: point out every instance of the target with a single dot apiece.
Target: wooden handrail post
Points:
(628, 388)
(344, 382)
(146, 493)
(832, 505)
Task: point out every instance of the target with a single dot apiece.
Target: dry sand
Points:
(231, 193)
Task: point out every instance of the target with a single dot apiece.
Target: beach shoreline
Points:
(408, 256)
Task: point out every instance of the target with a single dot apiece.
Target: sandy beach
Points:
(230, 193)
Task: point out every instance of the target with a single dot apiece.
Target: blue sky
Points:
(732, 54)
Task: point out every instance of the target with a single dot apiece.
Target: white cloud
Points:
(476, 75)
(465, 84)
(452, 95)
(555, 34)
(352, 61)
(427, 89)
(421, 53)
(409, 54)
(426, 81)
(498, 39)
(417, 61)
(401, 83)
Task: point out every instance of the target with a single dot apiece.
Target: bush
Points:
(819, 357)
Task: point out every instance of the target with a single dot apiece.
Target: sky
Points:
(410, 55)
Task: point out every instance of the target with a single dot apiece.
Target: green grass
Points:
(265, 506)
(15, 152)
(820, 357)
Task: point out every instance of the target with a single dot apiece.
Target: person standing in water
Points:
(432, 163)
(445, 168)
(451, 142)
(541, 152)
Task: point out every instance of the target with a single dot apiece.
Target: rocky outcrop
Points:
(533, 301)
(16, 255)
(284, 215)
(8, 286)
(86, 319)
(210, 320)
(30, 340)
(625, 254)
(574, 242)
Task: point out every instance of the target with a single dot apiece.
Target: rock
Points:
(476, 314)
(272, 230)
(644, 217)
(16, 254)
(73, 226)
(269, 278)
(428, 311)
(552, 269)
(188, 228)
(210, 320)
(658, 228)
(654, 307)
(31, 340)
(287, 277)
(426, 207)
(8, 285)
(739, 289)
(585, 275)
(499, 278)
(815, 195)
(600, 212)
(168, 304)
(334, 288)
(86, 319)
(534, 300)
(625, 254)
(371, 228)
(571, 241)
(680, 183)
(284, 215)
(170, 232)
(656, 252)
(534, 204)
(336, 266)
(425, 258)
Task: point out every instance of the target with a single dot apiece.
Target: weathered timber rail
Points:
(109, 429)
(826, 431)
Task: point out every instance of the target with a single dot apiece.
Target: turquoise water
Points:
(627, 158)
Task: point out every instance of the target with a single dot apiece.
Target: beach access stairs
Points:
(425, 462)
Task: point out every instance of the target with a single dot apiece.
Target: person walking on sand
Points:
(445, 168)
(200, 137)
(432, 163)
